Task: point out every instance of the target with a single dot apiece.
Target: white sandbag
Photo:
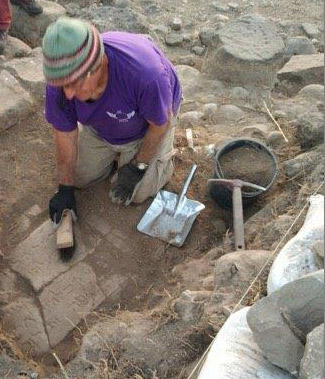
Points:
(297, 258)
(235, 355)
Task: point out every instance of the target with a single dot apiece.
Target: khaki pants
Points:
(96, 156)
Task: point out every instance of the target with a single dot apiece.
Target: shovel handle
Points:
(185, 186)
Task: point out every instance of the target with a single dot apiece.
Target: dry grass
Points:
(10, 348)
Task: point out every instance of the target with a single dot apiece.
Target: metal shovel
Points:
(171, 216)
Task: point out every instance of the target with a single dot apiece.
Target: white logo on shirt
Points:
(121, 116)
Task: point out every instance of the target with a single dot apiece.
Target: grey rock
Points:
(275, 139)
(298, 46)
(187, 60)
(187, 37)
(29, 72)
(312, 363)
(16, 368)
(310, 130)
(209, 110)
(279, 114)
(237, 269)
(233, 6)
(189, 308)
(256, 130)
(249, 52)
(23, 319)
(300, 71)
(239, 93)
(221, 18)
(281, 321)
(312, 92)
(68, 299)
(207, 36)
(272, 232)
(112, 18)
(36, 258)
(192, 274)
(311, 30)
(174, 39)
(190, 79)
(234, 354)
(16, 48)
(220, 7)
(318, 248)
(31, 29)
(198, 50)
(176, 24)
(121, 4)
(9, 284)
(191, 118)
(231, 112)
(15, 103)
(159, 29)
(303, 164)
(291, 28)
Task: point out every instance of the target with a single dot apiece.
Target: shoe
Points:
(3, 39)
(30, 6)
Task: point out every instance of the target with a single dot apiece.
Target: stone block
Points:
(237, 269)
(303, 164)
(256, 130)
(29, 71)
(32, 29)
(174, 39)
(15, 103)
(23, 319)
(310, 130)
(281, 321)
(249, 52)
(312, 363)
(68, 299)
(190, 79)
(298, 46)
(231, 112)
(16, 48)
(312, 92)
(37, 259)
(191, 119)
(300, 71)
(189, 311)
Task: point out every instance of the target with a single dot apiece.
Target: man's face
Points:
(83, 88)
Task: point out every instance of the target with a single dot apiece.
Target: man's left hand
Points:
(128, 177)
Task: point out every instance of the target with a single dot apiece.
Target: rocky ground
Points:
(127, 305)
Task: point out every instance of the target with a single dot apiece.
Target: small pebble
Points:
(176, 24)
(198, 50)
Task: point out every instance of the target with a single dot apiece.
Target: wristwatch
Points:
(140, 165)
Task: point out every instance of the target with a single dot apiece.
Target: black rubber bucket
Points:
(255, 163)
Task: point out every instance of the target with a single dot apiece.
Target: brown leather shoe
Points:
(30, 6)
(3, 39)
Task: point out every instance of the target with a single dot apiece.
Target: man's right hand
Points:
(63, 199)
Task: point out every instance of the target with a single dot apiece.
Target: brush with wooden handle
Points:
(65, 237)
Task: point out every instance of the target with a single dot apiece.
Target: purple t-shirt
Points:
(142, 86)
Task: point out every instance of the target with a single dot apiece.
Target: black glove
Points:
(63, 199)
(128, 177)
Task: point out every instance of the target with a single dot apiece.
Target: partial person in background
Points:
(30, 6)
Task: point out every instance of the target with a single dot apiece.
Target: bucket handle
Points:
(185, 187)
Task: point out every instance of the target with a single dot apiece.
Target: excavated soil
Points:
(249, 164)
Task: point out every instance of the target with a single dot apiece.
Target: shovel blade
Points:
(160, 221)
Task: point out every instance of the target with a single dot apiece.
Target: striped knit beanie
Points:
(71, 48)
